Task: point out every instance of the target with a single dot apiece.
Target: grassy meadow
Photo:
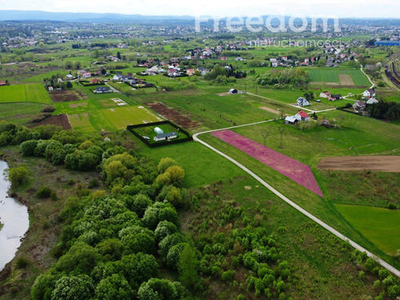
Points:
(380, 225)
(34, 93)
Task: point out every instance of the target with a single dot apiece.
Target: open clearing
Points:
(274, 111)
(380, 225)
(283, 164)
(360, 163)
(345, 79)
(172, 115)
(35, 93)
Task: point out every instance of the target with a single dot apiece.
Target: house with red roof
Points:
(302, 116)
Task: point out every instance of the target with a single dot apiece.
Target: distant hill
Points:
(36, 15)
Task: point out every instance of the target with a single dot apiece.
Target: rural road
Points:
(291, 203)
(292, 105)
(113, 89)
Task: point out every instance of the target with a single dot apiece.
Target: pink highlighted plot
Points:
(285, 165)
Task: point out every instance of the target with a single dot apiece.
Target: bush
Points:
(94, 182)
(22, 263)
(44, 192)
(18, 176)
(228, 275)
(28, 147)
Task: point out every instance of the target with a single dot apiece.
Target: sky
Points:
(308, 8)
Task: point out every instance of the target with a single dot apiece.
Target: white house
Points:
(359, 106)
(372, 101)
(301, 101)
(325, 94)
(369, 93)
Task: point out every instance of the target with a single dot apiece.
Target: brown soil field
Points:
(66, 96)
(361, 163)
(58, 120)
(173, 115)
(346, 79)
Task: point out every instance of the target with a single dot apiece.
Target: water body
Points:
(14, 217)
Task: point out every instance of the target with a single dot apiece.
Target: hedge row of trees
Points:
(296, 77)
(385, 110)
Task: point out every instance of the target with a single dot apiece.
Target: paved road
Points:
(291, 203)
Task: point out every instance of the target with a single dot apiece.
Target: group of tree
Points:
(113, 245)
(385, 110)
(295, 77)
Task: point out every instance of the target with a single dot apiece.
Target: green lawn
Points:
(87, 121)
(379, 225)
(202, 166)
(24, 93)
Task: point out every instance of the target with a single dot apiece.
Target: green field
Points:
(331, 76)
(24, 93)
(110, 119)
(379, 225)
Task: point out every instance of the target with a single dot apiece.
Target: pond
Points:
(14, 219)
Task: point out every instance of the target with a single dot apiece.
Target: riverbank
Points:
(14, 217)
(45, 222)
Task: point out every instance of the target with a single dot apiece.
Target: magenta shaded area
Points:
(285, 165)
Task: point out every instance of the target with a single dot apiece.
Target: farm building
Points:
(302, 102)
(233, 91)
(372, 101)
(370, 93)
(300, 116)
(158, 130)
(335, 97)
(102, 90)
(325, 94)
(69, 77)
(165, 136)
(291, 120)
(359, 106)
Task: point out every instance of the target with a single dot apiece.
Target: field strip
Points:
(297, 207)
(361, 163)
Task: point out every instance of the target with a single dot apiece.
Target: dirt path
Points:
(274, 111)
(361, 163)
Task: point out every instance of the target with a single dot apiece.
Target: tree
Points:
(118, 55)
(159, 289)
(137, 239)
(176, 174)
(77, 65)
(18, 176)
(73, 288)
(114, 287)
(164, 164)
(68, 65)
(188, 266)
(80, 258)
(139, 267)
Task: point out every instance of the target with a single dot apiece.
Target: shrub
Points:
(28, 147)
(44, 192)
(18, 176)
(94, 182)
(228, 275)
(22, 263)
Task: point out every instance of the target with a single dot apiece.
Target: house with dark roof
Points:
(165, 136)
(102, 90)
